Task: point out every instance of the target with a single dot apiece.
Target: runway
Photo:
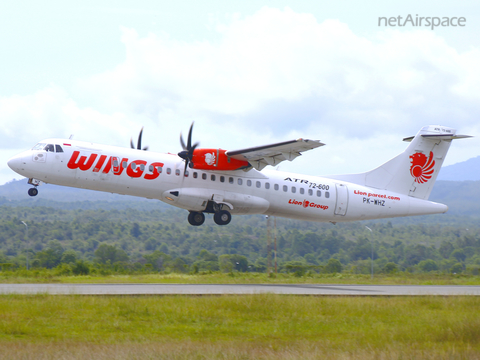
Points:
(239, 289)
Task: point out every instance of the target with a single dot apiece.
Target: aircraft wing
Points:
(273, 154)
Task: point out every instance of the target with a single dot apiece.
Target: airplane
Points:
(225, 182)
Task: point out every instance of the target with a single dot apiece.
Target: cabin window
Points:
(212, 177)
(249, 182)
(240, 181)
(267, 185)
(133, 166)
(58, 148)
(204, 176)
(230, 180)
(169, 171)
(276, 186)
(150, 168)
(159, 169)
(310, 192)
(124, 164)
(294, 189)
(258, 184)
(327, 194)
(177, 172)
(222, 178)
(302, 191)
(285, 188)
(186, 173)
(319, 193)
(195, 175)
(142, 167)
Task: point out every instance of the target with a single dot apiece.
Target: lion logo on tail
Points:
(422, 167)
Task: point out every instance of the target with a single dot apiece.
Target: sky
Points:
(248, 73)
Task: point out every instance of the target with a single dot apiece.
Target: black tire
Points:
(33, 192)
(196, 218)
(222, 217)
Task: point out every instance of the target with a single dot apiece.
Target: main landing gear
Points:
(220, 216)
(196, 218)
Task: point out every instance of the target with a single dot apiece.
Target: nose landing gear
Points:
(33, 191)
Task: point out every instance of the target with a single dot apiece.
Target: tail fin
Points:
(414, 171)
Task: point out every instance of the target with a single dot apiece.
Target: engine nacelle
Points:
(215, 159)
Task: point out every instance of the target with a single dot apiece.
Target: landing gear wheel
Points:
(196, 218)
(222, 217)
(33, 192)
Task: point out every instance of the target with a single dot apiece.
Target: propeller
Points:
(139, 143)
(187, 153)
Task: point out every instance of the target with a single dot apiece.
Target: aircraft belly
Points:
(246, 204)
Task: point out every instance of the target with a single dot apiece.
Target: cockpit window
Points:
(50, 148)
(39, 146)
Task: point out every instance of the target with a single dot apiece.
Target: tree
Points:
(69, 256)
(109, 254)
(80, 268)
(205, 255)
(179, 265)
(228, 263)
(428, 265)
(135, 231)
(459, 254)
(446, 248)
(51, 256)
(333, 266)
(390, 268)
(157, 259)
(299, 268)
(457, 268)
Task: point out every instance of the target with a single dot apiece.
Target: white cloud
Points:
(281, 57)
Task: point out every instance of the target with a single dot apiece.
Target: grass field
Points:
(262, 326)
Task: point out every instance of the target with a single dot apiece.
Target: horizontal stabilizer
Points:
(439, 137)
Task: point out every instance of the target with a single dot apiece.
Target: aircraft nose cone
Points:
(16, 162)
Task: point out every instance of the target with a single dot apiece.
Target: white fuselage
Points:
(161, 176)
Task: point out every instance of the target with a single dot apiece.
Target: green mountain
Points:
(462, 171)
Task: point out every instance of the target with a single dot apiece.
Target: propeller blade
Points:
(182, 143)
(187, 153)
(139, 143)
(189, 143)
